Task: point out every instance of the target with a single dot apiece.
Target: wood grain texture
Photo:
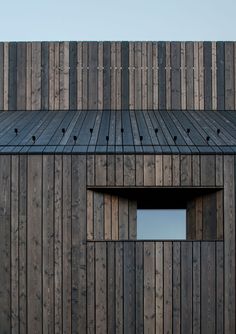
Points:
(149, 287)
(34, 253)
(14, 243)
(229, 244)
(117, 75)
(167, 288)
(5, 244)
(48, 244)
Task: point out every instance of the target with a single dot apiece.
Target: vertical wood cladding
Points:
(168, 285)
(56, 277)
(117, 75)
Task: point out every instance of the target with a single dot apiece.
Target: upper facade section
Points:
(118, 75)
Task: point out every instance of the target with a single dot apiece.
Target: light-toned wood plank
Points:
(29, 76)
(196, 75)
(118, 64)
(183, 76)
(58, 196)
(159, 287)
(56, 76)
(159, 170)
(119, 177)
(91, 278)
(66, 239)
(155, 76)
(176, 169)
(175, 56)
(23, 244)
(107, 217)
(168, 77)
(100, 288)
(129, 170)
(123, 219)
(5, 244)
(229, 76)
(201, 76)
(149, 170)
(36, 75)
(93, 75)
(14, 244)
(129, 287)
(34, 248)
(167, 287)
(214, 77)
(90, 170)
(132, 220)
(139, 286)
(110, 170)
(139, 170)
(189, 75)
(78, 232)
(119, 287)
(51, 76)
(113, 75)
(79, 76)
(149, 76)
(101, 170)
(98, 215)
(5, 75)
(176, 287)
(185, 170)
(21, 76)
(48, 243)
(196, 170)
(167, 170)
(131, 76)
(149, 287)
(115, 217)
(100, 75)
(144, 75)
(111, 315)
(64, 75)
(138, 75)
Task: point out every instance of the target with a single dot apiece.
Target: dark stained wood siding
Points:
(54, 278)
(117, 75)
(178, 295)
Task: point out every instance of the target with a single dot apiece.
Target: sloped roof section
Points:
(97, 131)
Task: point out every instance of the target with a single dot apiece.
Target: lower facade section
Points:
(155, 287)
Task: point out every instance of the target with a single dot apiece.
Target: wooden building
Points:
(89, 132)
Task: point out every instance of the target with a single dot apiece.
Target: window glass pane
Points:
(161, 224)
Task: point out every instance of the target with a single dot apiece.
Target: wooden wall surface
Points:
(47, 266)
(117, 75)
(155, 287)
